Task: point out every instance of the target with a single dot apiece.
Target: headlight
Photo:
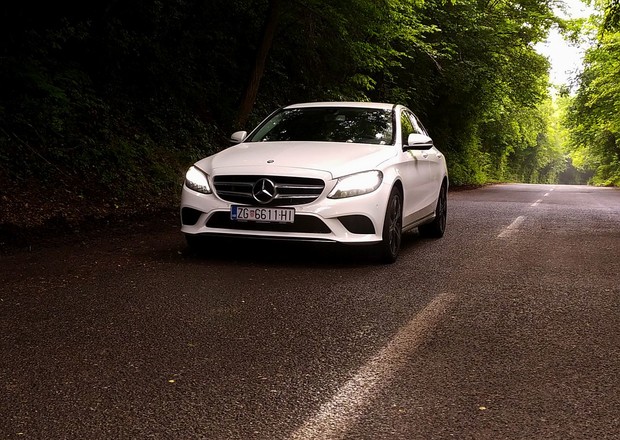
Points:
(356, 184)
(197, 180)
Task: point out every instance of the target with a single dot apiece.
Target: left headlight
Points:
(197, 180)
(356, 184)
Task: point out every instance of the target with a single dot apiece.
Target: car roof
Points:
(344, 104)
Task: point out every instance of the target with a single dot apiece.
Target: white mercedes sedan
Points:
(345, 172)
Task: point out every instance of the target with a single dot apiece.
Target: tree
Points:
(269, 31)
(594, 116)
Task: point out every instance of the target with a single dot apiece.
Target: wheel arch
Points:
(398, 184)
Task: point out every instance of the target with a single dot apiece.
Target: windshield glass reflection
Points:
(356, 125)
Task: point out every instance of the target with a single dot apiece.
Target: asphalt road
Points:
(507, 328)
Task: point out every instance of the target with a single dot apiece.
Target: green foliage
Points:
(611, 20)
(98, 99)
(124, 95)
(594, 114)
(487, 81)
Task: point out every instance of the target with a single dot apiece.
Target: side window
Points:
(418, 125)
(414, 123)
(406, 127)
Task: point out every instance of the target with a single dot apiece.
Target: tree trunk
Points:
(251, 90)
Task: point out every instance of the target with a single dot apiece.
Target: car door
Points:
(435, 161)
(415, 172)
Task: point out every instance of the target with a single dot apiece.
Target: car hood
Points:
(336, 158)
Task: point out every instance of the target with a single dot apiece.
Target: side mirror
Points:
(419, 142)
(238, 136)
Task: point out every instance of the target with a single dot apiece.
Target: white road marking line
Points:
(546, 194)
(536, 203)
(510, 229)
(336, 417)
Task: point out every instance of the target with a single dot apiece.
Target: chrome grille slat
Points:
(297, 196)
(310, 187)
(233, 193)
(248, 184)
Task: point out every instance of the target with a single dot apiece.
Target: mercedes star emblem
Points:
(264, 191)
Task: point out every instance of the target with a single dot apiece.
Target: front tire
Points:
(437, 227)
(389, 247)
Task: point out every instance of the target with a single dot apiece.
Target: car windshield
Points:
(328, 124)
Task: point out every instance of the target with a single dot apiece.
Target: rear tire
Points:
(389, 247)
(437, 227)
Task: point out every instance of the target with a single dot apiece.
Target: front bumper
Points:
(349, 220)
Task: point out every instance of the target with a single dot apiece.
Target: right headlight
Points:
(356, 184)
(197, 180)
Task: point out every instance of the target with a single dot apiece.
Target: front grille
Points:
(288, 190)
(303, 224)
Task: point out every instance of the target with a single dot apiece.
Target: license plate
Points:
(262, 215)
